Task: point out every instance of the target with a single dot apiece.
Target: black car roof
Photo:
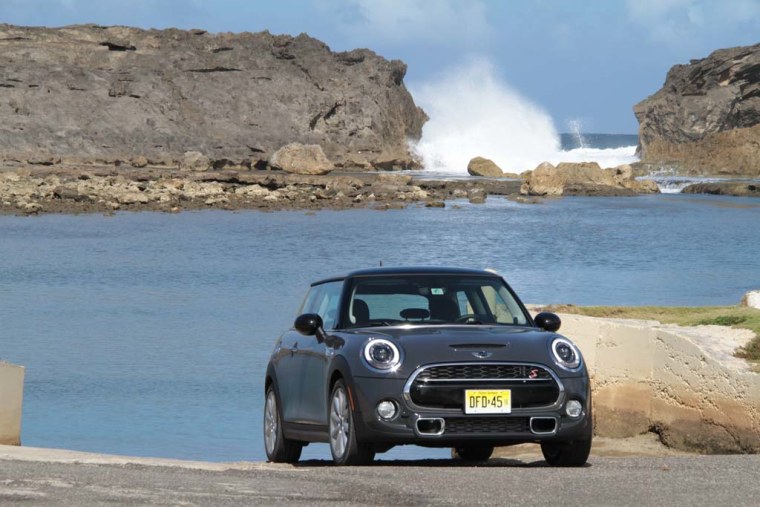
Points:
(409, 270)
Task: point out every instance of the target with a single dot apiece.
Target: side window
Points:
(325, 301)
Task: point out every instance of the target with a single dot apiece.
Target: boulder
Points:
(752, 299)
(480, 166)
(194, 161)
(583, 178)
(117, 93)
(706, 117)
(298, 158)
(734, 188)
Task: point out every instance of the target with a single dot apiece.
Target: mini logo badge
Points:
(482, 354)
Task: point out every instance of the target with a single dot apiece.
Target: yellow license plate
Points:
(487, 401)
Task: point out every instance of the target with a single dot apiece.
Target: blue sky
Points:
(588, 60)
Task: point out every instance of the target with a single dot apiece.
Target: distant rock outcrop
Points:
(706, 117)
(480, 166)
(584, 178)
(301, 159)
(146, 97)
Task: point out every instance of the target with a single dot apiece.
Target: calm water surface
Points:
(148, 334)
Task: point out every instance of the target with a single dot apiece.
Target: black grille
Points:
(474, 425)
(483, 371)
(444, 386)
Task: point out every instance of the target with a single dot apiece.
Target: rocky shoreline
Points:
(74, 189)
(104, 189)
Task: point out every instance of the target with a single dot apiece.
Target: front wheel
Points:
(566, 454)
(343, 445)
(472, 453)
(279, 449)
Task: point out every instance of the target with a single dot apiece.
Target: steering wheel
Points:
(468, 318)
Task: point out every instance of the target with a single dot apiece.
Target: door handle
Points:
(294, 348)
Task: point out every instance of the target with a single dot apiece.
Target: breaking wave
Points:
(474, 113)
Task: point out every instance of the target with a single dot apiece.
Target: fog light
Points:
(574, 408)
(386, 410)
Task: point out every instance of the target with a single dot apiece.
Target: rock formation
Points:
(301, 159)
(480, 166)
(682, 383)
(735, 188)
(124, 95)
(584, 178)
(706, 117)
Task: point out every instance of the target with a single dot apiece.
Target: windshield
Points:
(432, 299)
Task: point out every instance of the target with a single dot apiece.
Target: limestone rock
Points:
(194, 161)
(681, 382)
(298, 158)
(116, 93)
(724, 188)
(752, 299)
(583, 178)
(480, 166)
(706, 117)
(139, 161)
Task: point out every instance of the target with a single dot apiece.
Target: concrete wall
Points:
(682, 383)
(11, 397)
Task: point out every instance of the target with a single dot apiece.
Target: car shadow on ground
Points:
(440, 463)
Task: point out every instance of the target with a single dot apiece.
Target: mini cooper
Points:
(436, 357)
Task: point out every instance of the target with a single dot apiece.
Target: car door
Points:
(286, 371)
(288, 367)
(313, 357)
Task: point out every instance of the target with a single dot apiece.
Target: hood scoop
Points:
(478, 346)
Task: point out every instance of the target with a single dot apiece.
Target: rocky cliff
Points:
(706, 117)
(125, 95)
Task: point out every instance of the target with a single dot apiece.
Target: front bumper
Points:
(449, 427)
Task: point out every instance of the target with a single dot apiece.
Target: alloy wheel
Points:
(340, 422)
(270, 423)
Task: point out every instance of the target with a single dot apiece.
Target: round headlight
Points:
(382, 354)
(565, 354)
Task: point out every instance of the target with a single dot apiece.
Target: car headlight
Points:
(565, 354)
(382, 354)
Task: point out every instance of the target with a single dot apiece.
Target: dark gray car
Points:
(437, 357)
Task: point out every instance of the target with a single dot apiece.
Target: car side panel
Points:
(311, 379)
(285, 362)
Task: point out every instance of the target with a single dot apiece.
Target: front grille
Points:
(483, 371)
(443, 386)
(475, 425)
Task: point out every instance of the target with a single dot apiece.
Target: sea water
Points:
(148, 334)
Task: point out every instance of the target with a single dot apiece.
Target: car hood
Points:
(437, 344)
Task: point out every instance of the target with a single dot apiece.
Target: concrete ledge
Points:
(682, 383)
(11, 398)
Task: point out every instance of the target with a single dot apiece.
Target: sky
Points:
(575, 60)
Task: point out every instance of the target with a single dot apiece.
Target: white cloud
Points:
(677, 22)
(447, 22)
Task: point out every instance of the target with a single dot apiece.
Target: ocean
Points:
(148, 334)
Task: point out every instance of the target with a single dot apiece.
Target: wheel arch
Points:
(340, 370)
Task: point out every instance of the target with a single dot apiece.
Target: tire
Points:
(566, 454)
(278, 448)
(342, 431)
(472, 453)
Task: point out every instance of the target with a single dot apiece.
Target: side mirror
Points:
(547, 320)
(309, 324)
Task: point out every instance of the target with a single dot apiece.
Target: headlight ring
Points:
(381, 355)
(565, 354)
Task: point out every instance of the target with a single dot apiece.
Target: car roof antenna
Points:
(381, 264)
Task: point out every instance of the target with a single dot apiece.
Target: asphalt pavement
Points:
(671, 481)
